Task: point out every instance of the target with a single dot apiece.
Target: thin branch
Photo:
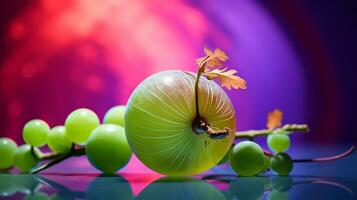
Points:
(59, 158)
(325, 159)
(303, 128)
(51, 163)
(49, 156)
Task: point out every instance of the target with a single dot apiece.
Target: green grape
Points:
(278, 141)
(247, 188)
(24, 159)
(79, 125)
(247, 158)
(37, 196)
(266, 163)
(281, 183)
(107, 148)
(6, 185)
(159, 119)
(109, 187)
(58, 140)
(277, 195)
(115, 115)
(25, 183)
(180, 189)
(35, 132)
(7, 151)
(281, 163)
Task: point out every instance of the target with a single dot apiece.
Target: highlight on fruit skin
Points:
(159, 117)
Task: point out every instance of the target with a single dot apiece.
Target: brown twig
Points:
(57, 158)
(330, 158)
(302, 128)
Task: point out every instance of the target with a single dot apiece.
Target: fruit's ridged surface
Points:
(159, 119)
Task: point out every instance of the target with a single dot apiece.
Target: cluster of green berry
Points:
(81, 129)
(247, 158)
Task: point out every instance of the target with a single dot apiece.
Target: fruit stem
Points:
(330, 158)
(199, 124)
(302, 128)
(51, 163)
(198, 76)
(196, 94)
(57, 158)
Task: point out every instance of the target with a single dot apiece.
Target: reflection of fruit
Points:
(281, 183)
(37, 196)
(247, 158)
(6, 185)
(7, 151)
(247, 188)
(115, 115)
(24, 158)
(180, 188)
(111, 187)
(79, 125)
(278, 195)
(159, 117)
(25, 183)
(107, 148)
(60, 197)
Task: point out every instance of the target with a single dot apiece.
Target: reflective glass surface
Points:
(333, 180)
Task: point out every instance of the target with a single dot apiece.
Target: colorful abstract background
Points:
(56, 56)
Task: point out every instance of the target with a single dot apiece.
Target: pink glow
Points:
(99, 32)
(69, 54)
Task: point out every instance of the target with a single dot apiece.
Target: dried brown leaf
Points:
(226, 78)
(274, 119)
(212, 59)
